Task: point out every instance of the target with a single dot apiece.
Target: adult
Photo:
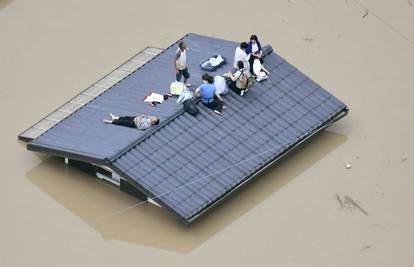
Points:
(141, 122)
(255, 51)
(180, 63)
(208, 94)
(241, 55)
(238, 80)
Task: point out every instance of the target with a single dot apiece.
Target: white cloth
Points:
(220, 84)
(240, 55)
(215, 61)
(255, 48)
(154, 97)
(257, 66)
(181, 62)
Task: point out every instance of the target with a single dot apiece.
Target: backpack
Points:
(190, 107)
(244, 79)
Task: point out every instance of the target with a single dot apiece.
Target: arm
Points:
(177, 55)
(234, 76)
(249, 48)
(197, 92)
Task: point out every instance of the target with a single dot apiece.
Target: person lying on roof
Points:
(209, 95)
(141, 122)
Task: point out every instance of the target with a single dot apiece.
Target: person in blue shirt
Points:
(209, 95)
(254, 49)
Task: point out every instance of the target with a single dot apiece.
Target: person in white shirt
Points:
(241, 55)
(180, 63)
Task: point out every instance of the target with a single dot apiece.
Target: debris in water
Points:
(346, 202)
(310, 40)
(365, 248)
(349, 200)
(366, 14)
(348, 166)
(341, 203)
(404, 159)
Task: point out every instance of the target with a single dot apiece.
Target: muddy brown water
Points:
(305, 211)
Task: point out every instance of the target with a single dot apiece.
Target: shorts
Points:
(182, 73)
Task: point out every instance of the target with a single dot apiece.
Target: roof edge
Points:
(339, 115)
(66, 154)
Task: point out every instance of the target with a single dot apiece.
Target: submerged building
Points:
(186, 164)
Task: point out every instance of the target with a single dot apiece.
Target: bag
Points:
(244, 79)
(186, 94)
(177, 88)
(221, 86)
(261, 76)
(190, 107)
(213, 63)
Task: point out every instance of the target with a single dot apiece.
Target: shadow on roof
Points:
(90, 198)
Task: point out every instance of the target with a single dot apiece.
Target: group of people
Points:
(246, 56)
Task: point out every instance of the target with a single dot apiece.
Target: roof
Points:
(189, 164)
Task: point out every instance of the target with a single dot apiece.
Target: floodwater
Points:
(309, 210)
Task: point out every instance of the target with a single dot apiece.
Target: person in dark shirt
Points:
(254, 49)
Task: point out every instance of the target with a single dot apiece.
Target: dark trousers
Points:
(234, 88)
(126, 121)
(217, 104)
(251, 60)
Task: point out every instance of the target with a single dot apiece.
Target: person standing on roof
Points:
(255, 51)
(180, 63)
(141, 122)
(209, 95)
(241, 55)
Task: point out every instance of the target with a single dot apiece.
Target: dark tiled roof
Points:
(84, 134)
(193, 161)
(190, 163)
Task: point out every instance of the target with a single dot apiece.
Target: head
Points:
(240, 64)
(207, 78)
(182, 46)
(244, 46)
(253, 38)
(154, 120)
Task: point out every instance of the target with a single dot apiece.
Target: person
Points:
(209, 95)
(241, 55)
(180, 63)
(141, 122)
(238, 80)
(259, 71)
(254, 50)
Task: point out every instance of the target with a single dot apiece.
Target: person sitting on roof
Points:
(241, 55)
(180, 63)
(209, 95)
(254, 50)
(141, 122)
(238, 80)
